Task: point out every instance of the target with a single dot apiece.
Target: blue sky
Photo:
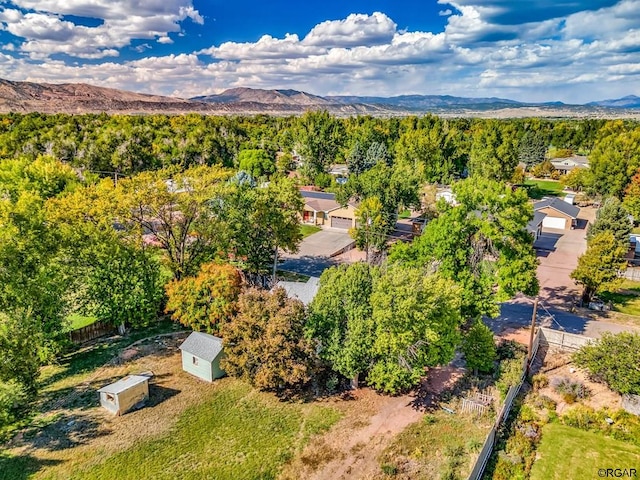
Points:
(543, 50)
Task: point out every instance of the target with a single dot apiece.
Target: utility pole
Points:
(531, 331)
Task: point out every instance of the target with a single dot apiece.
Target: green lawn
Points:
(626, 299)
(543, 188)
(237, 433)
(80, 321)
(404, 214)
(566, 452)
(308, 230)
(440, 445)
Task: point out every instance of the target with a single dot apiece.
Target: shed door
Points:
(554, 222)
(341, 222)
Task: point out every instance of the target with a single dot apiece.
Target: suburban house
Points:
(565, 165)
(321, 208)
(201, 355)
(126, 394)
(534, 227)
(560, 215)
(303, 291)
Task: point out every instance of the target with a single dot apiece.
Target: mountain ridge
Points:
(23, 97)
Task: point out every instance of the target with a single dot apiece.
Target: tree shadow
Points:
(21, 467)
(311, 266)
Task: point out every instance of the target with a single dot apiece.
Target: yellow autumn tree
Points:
(207, 300)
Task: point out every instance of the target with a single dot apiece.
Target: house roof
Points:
(533, 225)
(558, 205)
(323, 201)
(124, 384)
(202, 345)
(303, 291)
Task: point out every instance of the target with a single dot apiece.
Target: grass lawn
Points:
(404, 214)
(308, 230)
(236, 433)
(440, 442)
(80, 321)
(626, 300)
(543, 188)
(291, 276)
(567, 452)
(72, 368)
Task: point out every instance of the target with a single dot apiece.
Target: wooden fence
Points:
(563, 340)
(91, 332)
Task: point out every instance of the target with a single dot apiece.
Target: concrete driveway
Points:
(317, 252)
(558, 252)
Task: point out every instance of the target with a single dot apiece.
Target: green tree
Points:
(256, 162)
(340, 319)
(611, 217)
(576, 179)
(494, 153)
(599, 266)
(532, 148)
(481, 244)
(372, 226)
(320, 138)
(175, 210)
(265, 343)
(206, 301)
(417, 320)
(614, 360)
(479, 348)
(22, 343)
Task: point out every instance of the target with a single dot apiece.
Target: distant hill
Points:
(630, 101)
(25, 97)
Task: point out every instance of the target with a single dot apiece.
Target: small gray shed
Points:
(201, 355)
(126, 394)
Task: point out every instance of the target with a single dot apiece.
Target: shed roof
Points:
(558, 205)
(124, 384)
(303, 291)
(202, 345)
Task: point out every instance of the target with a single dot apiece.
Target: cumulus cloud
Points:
(45, 31)
(587, 53)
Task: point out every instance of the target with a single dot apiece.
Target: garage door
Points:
(554, 222)
(341, 222)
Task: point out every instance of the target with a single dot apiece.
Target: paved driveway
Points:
(517, 313)
(558, 252)
(316, 252)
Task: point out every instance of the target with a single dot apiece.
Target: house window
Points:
(195, 360)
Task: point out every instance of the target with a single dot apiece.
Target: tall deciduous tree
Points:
(340, 319)
(265, 343)
(631, 199)
(481, 243)
(372, 226)
(599, 266)
(417, 320)
(176, 211)
(256, 162)
(206, 301)
(494, 153)
(320, 138)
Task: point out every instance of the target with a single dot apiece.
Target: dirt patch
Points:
(558, 364)
(351, 448)
(519, 335)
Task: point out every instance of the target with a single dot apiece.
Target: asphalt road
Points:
(518, 312)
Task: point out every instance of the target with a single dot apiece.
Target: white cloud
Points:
(579, 57)
(45, 32)
(355, 30)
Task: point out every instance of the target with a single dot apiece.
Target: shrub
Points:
(13, 399)
(582, 417)
(613, 360)
(389, 469)
(509, 373)
(539, 380)
(479, 348)
(571, 390)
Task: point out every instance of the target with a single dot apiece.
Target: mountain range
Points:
(83, 98)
